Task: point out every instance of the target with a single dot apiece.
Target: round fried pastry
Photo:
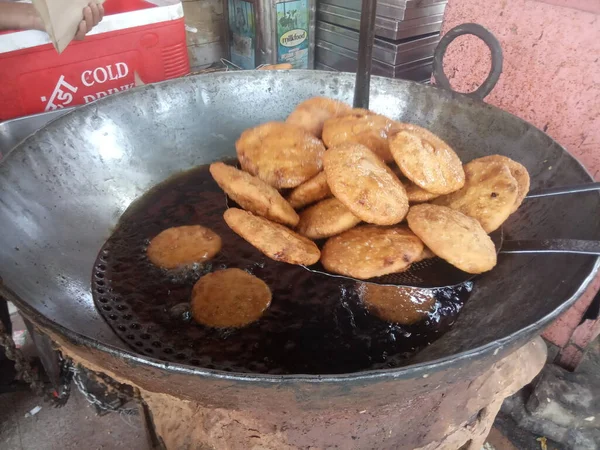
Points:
(427, 160)
(272, 239)
(229, 298)
(517, 170)
(365, 184)
(489, 194)
(426, 254)
(454, 237)
(310, 191)
(414, 193)
(326, 218)
(281, 154)
(370, 251)
(253, 194)
(183, 246)
(417, 194)
(360, 127)
(311, 114)
(397, 304)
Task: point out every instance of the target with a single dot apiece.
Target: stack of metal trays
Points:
(407, 32)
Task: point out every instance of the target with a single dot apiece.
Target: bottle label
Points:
(293, 32)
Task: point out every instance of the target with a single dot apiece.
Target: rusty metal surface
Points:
(434, 410)
(64, 188)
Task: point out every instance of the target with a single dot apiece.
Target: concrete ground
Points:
(76, 426)
(72, 427)
(506, 435)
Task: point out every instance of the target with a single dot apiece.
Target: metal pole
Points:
(365, 51)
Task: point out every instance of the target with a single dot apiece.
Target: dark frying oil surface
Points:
(315, 324)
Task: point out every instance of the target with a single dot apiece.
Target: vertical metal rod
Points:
(365, 52)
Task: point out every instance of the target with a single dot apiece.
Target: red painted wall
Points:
(551, 78)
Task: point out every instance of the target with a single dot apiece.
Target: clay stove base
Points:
(182, 423)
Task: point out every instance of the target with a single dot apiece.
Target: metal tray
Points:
(325, 67)
(395, 10)
(417, 3)
(321, 66)
(386, 28)
(391, 52)
(344, 60)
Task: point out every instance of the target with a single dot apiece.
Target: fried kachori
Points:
(425, 254)
(454, 237)
(360, 127)
(417, 194)
(310, 191)
(365, 184)
(370, 251)
(489, 194)
(397, 304)
(281, 154)
(272, 239)
(311, 114)
(517, 170)
(427, 160)
(253, 194)
(327, 218)
(229, 298)
(183, 246)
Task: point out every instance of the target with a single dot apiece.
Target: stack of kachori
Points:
(355, 177)
(364, 194)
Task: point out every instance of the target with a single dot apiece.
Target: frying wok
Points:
(63, 190)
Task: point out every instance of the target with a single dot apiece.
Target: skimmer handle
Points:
(366, 39)
(573, 189)
(552, 246)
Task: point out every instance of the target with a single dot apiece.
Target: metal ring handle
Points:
(490, 40)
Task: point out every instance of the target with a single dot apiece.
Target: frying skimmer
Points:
(437, 273)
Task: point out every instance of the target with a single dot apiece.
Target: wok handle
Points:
(574, 246)
(490, 40)
(574, 189)
(366, 39)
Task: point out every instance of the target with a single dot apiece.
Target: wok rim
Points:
(498, 347)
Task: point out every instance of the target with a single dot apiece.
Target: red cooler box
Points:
(134, 36)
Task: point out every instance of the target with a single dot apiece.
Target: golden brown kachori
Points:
(454, 237)
(253, 194)
(365, 184)
(281, 154)
(272, 239)
(183, 246)
(311, 114)
(310, 191)
(327, 218)
(427, 160)
(489, 194)
(397, 304)
(517, 170)
(369, 251)
(229, 298)
(417, 194)
(360, 127)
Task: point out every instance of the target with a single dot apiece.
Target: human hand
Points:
(92, 15)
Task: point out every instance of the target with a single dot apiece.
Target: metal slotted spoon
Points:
(437, 273)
